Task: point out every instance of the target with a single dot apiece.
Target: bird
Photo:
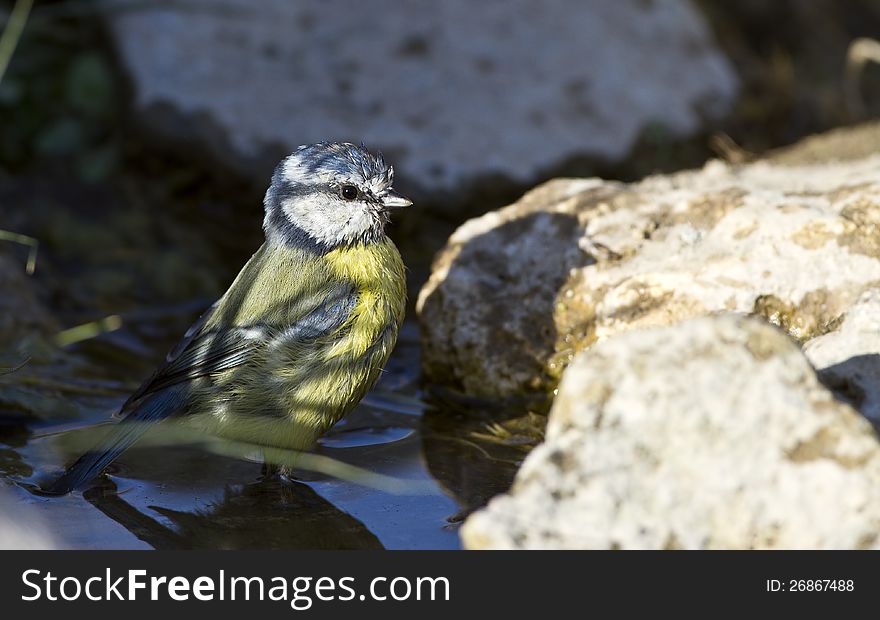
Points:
(303, 331)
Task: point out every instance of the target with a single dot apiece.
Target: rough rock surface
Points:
(714, 433)
(517, 292)
(441, 87)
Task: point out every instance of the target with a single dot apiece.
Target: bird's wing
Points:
(204, 351)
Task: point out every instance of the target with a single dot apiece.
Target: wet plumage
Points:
(304, 330)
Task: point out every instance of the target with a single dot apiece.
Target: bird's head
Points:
(328, 195)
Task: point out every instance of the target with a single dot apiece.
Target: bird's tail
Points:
(152, 409)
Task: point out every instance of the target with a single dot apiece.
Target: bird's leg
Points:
(268, 471)
(281, 473)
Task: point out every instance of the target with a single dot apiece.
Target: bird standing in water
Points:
(304, 330)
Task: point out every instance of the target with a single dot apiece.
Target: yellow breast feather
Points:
(378, 275)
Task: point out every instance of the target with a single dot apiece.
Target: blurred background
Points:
(137, 139)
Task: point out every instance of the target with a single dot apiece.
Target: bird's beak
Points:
(393, 200)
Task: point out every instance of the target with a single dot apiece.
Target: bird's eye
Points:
(349, 192)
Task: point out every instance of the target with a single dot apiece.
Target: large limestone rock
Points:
(517, 292)
(714, 433)
(452, 91)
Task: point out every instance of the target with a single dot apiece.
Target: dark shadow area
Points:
(268, 514)
(791, 58)
(856, 382)
(470, 462)
(13, 436)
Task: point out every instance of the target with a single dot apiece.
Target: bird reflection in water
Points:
(266, 514)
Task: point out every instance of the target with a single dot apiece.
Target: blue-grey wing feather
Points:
(325, 319)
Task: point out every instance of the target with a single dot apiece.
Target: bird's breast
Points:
(377, 272)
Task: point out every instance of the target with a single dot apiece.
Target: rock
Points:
(486, 311)
(841, 144)
(452, 92)
(516, 293)
(714, 433)
(848, 358)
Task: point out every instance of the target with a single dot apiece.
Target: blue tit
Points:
(304, 330)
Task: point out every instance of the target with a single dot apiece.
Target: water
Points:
(187, 496)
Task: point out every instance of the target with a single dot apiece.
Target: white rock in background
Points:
(849, 358)
(713, 433)
(517, 292)
(453, 90)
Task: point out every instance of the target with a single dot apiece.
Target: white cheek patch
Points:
(361, 221)
(329, 220)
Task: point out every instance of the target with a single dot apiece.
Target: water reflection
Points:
(474, 450)
(267, 514)
(13, 435)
